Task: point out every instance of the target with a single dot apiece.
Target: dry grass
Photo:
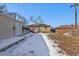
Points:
(69, 44)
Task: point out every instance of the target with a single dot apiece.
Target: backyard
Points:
(69, 44)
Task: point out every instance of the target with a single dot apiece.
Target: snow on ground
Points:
(9, 41)
(11, 49)
(36, 45)
(67, 34)
(53, 47)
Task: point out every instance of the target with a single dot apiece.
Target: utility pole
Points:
(75, 14)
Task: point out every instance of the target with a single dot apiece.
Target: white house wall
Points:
(6, 27)
(9, 27)
(18, 28)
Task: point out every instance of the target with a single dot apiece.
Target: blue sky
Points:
(54, 14)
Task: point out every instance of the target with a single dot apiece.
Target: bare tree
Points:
(25, 20)
(39, 20)
(31, 18)
(3, 8)
(12, 14)
(22, 18)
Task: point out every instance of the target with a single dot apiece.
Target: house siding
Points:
(63, 30)
(44, 29)
(8, 27)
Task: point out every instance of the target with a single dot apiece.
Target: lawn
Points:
(70, 44)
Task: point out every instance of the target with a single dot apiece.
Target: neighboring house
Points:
(64, 28)
(9, 26)
(39, 28)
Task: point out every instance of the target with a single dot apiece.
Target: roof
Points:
(6, 15)
(66, 27)
(37, 25)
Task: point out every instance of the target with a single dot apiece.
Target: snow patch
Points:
(53, 47)
(34, 46)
